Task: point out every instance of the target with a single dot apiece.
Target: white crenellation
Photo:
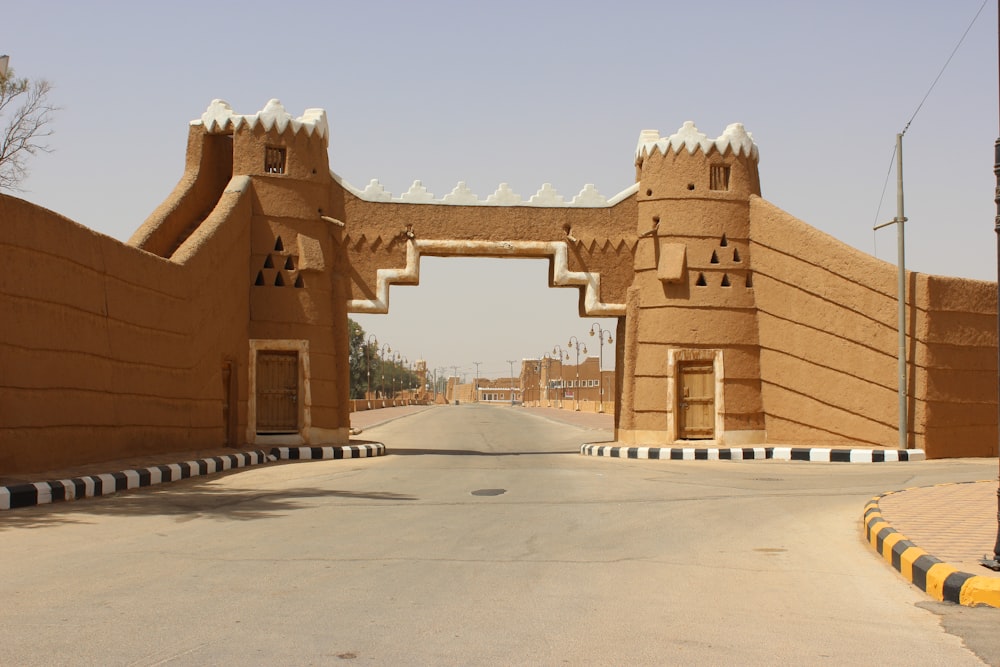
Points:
(219, 119)
(374, 192)
(547, 196)
(504, 196)
(689, 137)
(461, 195)
(417, 194)
(589, 197)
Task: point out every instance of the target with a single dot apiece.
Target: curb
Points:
(811, 454)
(90, 486)
(367, 450)
(938, 579)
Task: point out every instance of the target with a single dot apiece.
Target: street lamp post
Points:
(372, 339)
(381, 367)
(475, 391)
(511, 362)
(574, 342)
(394, 373)
(561, 355)
(600, 363)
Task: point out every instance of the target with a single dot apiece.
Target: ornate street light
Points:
(574, 342)
(385, 350)
(372, 339)
(561, 355)
(600, 363)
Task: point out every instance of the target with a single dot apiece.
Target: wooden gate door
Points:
(696, 401)
(277, 392)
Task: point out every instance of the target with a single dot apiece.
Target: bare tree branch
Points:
(25, 118)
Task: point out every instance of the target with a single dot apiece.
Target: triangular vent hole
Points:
(701, 280)
(268, 263)
(289, 264)
(725, 280)
(298, 281)
(260, 279)
(278, 280)
(715, 258)
(736, 255)
(724, 242)
(278, 245)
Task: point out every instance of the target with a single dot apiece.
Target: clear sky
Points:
(527, 93)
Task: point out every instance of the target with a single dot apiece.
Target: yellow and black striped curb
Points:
(938, 579)
(89, 486)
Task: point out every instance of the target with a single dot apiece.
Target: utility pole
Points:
(994, 563)
(476, 388)
(901, 292)
(511, 362)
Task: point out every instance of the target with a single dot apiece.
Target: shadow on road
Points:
(415, 451)
(186, 500)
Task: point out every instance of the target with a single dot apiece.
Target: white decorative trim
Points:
(220, 119)
(690, 138)
(461, 195)
(557, 250)
(417, 194)
(589, 197)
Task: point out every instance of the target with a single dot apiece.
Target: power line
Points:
(947, 62)
(892, 158)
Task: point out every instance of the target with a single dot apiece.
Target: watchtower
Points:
(692, 354)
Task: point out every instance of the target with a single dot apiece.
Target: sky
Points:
(527, 93)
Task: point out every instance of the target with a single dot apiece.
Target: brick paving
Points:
(956, 523)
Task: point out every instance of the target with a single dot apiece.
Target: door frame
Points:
(305, 394)
(676, 357)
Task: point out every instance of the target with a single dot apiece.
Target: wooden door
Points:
(696, 401)
(277, 392)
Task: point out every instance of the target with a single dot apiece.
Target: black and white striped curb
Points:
(938, 579)
(366, 450)
(89, 486)
(813, 454)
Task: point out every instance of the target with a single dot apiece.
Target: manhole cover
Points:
(489, 492)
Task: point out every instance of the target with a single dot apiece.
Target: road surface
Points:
(482, 538)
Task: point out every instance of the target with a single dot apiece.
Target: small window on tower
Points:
(274, 160)
(719, 177)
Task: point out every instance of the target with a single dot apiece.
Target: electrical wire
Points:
(892, 159)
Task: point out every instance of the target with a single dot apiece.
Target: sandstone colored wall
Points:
(827, 318)
(108, 351)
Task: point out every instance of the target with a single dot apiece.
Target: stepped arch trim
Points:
(558, 251)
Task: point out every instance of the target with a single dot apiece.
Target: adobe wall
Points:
(827, 318)
(108, 351)
(955, 365)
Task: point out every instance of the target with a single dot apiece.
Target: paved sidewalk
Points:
(935, 536)
(955, 522)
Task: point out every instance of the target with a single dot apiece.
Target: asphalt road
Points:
(482, 538)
